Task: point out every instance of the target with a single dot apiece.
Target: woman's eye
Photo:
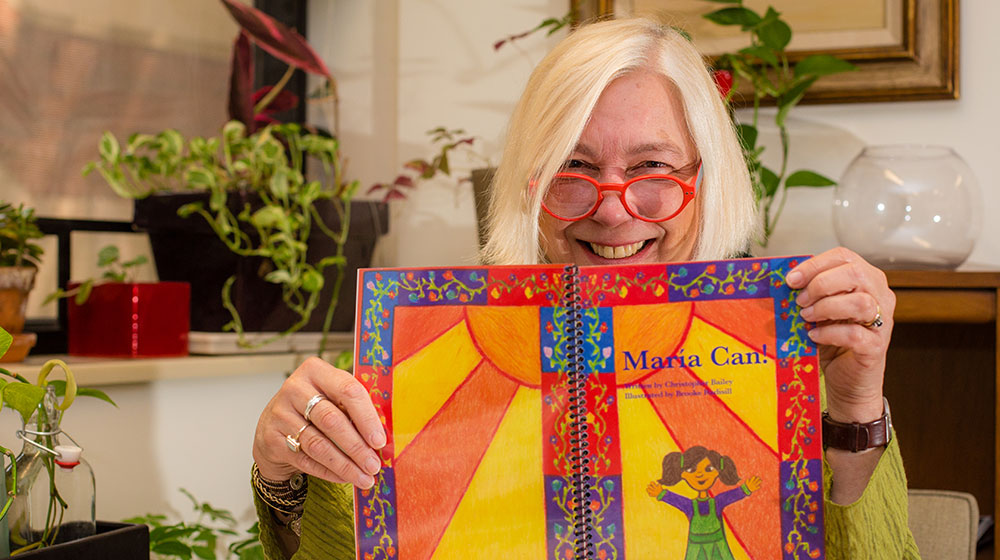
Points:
(576, 164)
(652, 165)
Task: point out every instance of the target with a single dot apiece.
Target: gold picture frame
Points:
(916, 57)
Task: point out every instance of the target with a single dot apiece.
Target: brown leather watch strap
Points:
(855, 436)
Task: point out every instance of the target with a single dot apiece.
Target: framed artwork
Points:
(904, 49)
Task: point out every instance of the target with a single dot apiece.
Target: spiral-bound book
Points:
(608, 412)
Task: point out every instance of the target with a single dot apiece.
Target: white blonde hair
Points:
(555, 107)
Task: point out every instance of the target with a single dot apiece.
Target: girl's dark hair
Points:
(675, 463)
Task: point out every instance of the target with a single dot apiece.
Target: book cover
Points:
(613, 412)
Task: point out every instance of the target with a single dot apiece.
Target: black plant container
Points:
(121, 541)
(187, 250)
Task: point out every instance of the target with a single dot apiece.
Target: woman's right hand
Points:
(340, 440)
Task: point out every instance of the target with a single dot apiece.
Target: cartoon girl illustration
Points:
(700, 468)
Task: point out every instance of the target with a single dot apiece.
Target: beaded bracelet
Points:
(286, 496)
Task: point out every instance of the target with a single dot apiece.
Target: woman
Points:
(615, 100)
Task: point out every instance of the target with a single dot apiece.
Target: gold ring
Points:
(293, 441)
(312, 402)
(877, 321)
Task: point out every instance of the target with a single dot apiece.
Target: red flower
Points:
(366, 512)
(755, 266)
(432, 296)
(463, 298)
(789, 547)
(548, 326)
(368, 556)
(784, 304)
(813, 506)
(391, 551)
(814, 553)
(365, 336)
(803, 472)
(385, 313)
(604, 327)
(594, 505)
(693, 293)
(409, 276)
(723, 81)
(448, 275)
(378, 276)
(368, 523)
(811, 517)
(813, 486)
(730, 289)
(710, 269)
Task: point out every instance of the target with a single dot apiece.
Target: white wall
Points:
(448, 74)
(406, 66)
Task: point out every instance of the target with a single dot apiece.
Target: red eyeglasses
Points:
(651, 198)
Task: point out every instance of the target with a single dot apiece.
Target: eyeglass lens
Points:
(653, 198)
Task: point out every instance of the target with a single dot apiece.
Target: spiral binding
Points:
(579, 454)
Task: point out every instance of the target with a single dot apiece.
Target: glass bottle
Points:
(55, 486)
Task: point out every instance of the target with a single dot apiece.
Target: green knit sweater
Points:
(873, 527)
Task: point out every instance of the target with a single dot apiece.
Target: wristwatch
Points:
(855, 436)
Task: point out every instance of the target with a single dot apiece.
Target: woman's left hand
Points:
(843, 295)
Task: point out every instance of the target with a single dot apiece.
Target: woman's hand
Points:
(654, 488)
(753, 483)
(340, 439)
(843, 294)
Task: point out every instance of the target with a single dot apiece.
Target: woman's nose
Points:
(611, 210)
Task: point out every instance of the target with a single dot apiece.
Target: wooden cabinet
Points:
(941, 380)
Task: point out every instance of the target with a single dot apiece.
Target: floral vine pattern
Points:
(801, 468)
(535, 287)
(609, 288)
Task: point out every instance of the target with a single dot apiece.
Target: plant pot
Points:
(187, 250)
(15, 283)
(131, 321)
(123, 541)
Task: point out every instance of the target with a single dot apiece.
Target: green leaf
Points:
(775, 34)
(189, 208)
(199, 178)
(822, 65)
(770, 180)
(761, 52)
(59, 385)
(6, 339)
(23, 397)
(83, 293)
(279, 277)
(108, 148)
(140, 260)
(267, 217)
(279, 184)
(204, 552)
(312, 281)
(803, 178)
(172, 548)
(790, 98)
(744, 17)
(107, 255)
(748, 136)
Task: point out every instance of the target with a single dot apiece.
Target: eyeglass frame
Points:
(688, 188)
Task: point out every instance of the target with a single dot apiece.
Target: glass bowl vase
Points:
(908, 206)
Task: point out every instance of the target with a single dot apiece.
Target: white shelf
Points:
(92, 372)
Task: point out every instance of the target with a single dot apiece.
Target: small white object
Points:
(68, 454)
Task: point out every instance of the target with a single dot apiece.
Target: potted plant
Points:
(282, 239)
(51, 496)
(19, 259)
(115, 316)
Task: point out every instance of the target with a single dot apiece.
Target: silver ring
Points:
(312, 402)
(293, 441)
(877, 321)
